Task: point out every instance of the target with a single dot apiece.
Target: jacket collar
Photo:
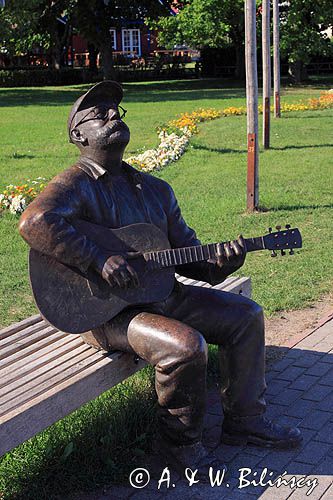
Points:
(95, 170)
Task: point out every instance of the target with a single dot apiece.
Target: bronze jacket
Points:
(87, 191)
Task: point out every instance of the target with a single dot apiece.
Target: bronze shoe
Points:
(193, 456)
(260, 431)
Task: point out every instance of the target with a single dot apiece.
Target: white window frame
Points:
(131, 31)
(114, 41)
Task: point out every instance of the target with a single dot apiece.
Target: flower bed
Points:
(174, 138)
(17, 198)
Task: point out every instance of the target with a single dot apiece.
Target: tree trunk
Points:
(297, 71)
(56, 58)
(107, 62)
(252, 105)
(93, 52)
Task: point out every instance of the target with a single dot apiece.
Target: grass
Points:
(210, 183)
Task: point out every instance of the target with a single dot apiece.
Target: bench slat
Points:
(38, 374)
(47, 381)
(34, 348)
(51, 352)
(16, 327)
(25, 341)
(21, 334)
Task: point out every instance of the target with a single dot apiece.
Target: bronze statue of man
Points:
(172, 335)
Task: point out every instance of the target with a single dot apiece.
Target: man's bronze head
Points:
(95, 121)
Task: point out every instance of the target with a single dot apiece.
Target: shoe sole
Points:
(236, 440)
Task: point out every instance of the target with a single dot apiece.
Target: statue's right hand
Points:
(117, 272)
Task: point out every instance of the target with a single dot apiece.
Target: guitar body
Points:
(75, 302)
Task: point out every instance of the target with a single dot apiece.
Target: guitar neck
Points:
(188, 255)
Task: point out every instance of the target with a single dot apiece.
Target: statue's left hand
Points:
(231, 256)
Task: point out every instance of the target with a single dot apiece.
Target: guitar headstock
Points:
(283, 239)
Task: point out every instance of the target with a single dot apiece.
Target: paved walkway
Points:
(300, 392)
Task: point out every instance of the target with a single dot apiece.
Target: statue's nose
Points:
(113, 114)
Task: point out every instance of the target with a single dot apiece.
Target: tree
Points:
(206, 23)
(28, 24)
(303, 25)
(95, 18)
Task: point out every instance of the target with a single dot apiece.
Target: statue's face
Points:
(101, 127)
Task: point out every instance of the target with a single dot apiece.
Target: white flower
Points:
(171, 148)
(18, 204)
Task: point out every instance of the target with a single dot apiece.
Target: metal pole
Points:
(266, 71)
(252, 105)
(276, 58)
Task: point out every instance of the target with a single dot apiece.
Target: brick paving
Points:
(300, 392)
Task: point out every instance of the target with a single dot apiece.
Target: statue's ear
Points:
(78, 137)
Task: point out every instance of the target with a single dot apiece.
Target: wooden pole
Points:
(276, 58)
(266, 71)
(252, 105)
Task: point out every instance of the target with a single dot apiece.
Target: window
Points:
(113, 38)
(131, 41)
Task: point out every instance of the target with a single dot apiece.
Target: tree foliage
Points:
(203, 23)
(303, 25)
(206, 23)
(28, 24)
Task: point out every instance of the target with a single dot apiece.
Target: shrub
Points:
(40, 77)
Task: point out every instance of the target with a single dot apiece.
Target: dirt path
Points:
(286, 324)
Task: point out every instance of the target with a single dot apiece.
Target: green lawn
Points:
(295, 179)
(210, 183)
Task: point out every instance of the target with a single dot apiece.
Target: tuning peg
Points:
(273, 254)
(291, 252)
(283, 252)
(288, 226)
(269, 229)
(278, 228)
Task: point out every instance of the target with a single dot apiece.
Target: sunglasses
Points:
(100, 113)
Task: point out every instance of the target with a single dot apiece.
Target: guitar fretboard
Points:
(187, 255)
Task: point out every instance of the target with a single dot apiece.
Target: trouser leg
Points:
(236, 325)
(179, 354)
(242, 365)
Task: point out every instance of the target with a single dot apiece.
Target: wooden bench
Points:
(45, 374)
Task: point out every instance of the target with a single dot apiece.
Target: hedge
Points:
(40, 77)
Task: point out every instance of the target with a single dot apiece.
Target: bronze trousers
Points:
(172, 336)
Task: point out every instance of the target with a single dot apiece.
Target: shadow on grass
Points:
(20, 156)
(292, 208)
(218, 150)
(308, 116)
(284, 148)
(304, 146)
(178, 90)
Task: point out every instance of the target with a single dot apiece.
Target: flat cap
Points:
(106, 88)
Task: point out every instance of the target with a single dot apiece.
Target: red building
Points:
(132, 40)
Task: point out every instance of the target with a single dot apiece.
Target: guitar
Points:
(76, 302)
